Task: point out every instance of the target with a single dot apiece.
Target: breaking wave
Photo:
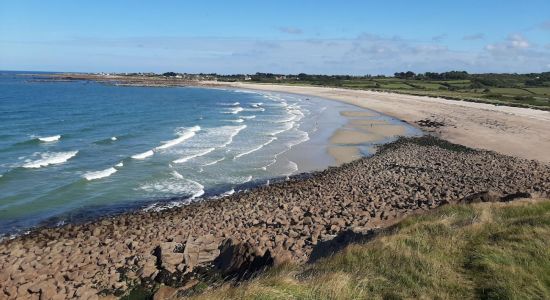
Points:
(50, 158)
(100, 174)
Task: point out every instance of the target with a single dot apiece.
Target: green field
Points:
(481, 251)
(522, 90)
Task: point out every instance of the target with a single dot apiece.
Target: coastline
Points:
(520, 132)
(286, 221)
(316, 154)
(516, 131)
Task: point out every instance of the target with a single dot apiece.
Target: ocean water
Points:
(78, 150)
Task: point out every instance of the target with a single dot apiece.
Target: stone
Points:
(200, 250)
(165, 293)
(485, 196)
(169, 258)
(241, 259)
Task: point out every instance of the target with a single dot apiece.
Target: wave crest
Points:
(50, 158)
(100, 174)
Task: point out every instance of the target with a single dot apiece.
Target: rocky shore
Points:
(237, 235)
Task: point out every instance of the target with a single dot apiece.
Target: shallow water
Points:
(70, 150)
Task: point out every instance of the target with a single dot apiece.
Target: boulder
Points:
(170, 255)
(485, 196)
(241, 260)
(200, 250)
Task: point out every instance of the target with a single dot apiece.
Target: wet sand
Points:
(515, 131)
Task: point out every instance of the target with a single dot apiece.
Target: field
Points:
(487, 251)
(499, 89)
(536, 97)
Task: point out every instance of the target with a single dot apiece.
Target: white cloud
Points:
(514, 43)
(518, 41)
(364, 54)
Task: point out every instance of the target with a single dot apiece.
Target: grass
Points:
(482, 251)
(516, 95)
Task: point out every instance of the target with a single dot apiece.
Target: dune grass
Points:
(483, 251)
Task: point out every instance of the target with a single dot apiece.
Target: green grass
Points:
(482, 251)
(540, 90)
(510, 91)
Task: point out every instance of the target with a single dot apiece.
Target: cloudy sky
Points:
(329, 37)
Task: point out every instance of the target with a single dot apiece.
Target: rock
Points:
(241, 259)
(169, 257)
(281, 256)
(201, 250)
(514, 196)
(165, 293)
(486, 196)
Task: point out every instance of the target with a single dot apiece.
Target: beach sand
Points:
(345, 136)
(515, 131)
(344, 154)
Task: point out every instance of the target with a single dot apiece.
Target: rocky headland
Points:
(297, 220)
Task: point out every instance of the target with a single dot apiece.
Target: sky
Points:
(315, 37)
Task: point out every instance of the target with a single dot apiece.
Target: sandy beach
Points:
(296, 219)
(520, 132)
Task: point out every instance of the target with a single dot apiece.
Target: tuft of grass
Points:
(479, 251)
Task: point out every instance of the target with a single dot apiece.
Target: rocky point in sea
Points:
(298, 220)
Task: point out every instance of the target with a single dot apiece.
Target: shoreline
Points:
(286, 221)
(516, 131)
(520, 132)
(342, 151)
(289, 220)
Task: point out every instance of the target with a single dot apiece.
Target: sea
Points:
(77, 150)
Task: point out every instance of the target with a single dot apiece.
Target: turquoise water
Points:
(77, 150)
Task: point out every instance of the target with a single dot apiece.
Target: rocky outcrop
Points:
(266, 226)
(239, 260)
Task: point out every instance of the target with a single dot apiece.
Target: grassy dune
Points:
(488, 251)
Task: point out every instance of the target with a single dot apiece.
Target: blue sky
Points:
(329, 37)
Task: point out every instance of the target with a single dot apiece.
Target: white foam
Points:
(175, 186)
(287, 120)
(200, 192)
(143, 155)
(187, 134)
(49, 139)
(254, 109)
(255, 149)
(120, 165)
(293, 167)
(248, 117)
(177, 174)
(238, 120)
(233, 134)
(228, 193)
(184, 159)
(113, 138)
(50, 158)
(99, 174)
(213, 162)
(303, 137)
(234, 110)
(287, 127)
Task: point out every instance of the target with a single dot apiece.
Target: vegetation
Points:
(486, 251)
(523, 90)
